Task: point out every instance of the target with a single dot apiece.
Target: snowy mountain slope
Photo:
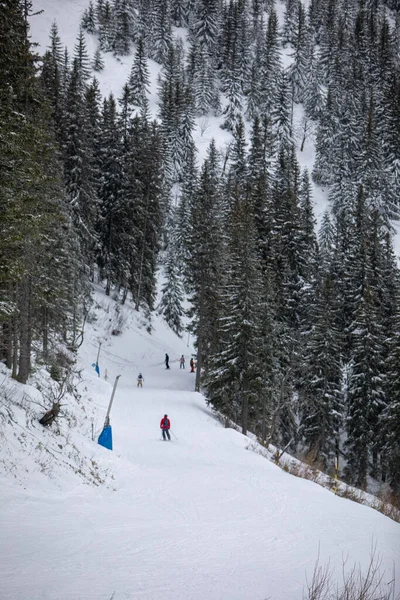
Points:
(198, 517)
(67, 15)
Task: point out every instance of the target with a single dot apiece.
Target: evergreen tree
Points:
(203, 81)
(139, 78)
(290, 21)
(299, 68)
(162, 33)
(203, 25)
(145, 209)
(187, 197)
(271, 66)
(110, 259)
(170, 305)
(204, 267)
(123, 26)
(53, 79)
(235, 371)
(282, 112)
(33, 304)
(366, 393)
(81, 56)
(106, 25)
(78, 162)
(98, 61)
(320, 388)
(89, 20)
(259, 178)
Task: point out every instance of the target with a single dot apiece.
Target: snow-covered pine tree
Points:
(89, 19)
(204, 268)
(170, 306)
(161, 32)
(298, 70)
(313, 94)
(203, 80)
(179, 12)
(204, 25)
(30, 184)
(260, 161)
(271, 66)
(320, 385)
(172, 94)
(322, 170)
(110, 259)
(98, 61)
(81, 56)
(106, 26)
(237, 179)
(234, 378)
(146, 198)
(282, 113)
(188, 191)
(139, 78)
(366, 389)
(124, 26)
(78, 163)
(52, 77)
(290, 22)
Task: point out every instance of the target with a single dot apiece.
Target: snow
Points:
(202, 516)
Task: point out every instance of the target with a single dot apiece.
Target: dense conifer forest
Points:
(297, 328)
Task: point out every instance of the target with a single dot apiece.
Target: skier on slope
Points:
(191, 365)
(166, 361)
(140, 380)
(182, 362)
(165, 425)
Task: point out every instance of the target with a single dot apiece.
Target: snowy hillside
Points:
(199, 517)
(204, 516)
(68, 15)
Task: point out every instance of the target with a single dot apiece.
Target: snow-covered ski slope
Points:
(200, 517)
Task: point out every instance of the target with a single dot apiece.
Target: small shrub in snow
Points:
(356, 584)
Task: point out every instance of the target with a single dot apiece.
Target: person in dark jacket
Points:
(191, 365)
(165, 425)
(166, 361)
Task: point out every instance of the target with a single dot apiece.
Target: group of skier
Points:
(140, 378)
(181, 363)
(165, 423)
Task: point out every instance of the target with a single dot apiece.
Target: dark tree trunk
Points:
(245, 411)
(45, 332)
(15, 346)
(24, 359)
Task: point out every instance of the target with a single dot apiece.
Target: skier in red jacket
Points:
(165, 425)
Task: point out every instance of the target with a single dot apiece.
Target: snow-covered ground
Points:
(199, 517)
(202, 516)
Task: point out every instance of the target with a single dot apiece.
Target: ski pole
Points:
(173, 434)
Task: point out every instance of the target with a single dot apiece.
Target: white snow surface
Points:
(202, 516)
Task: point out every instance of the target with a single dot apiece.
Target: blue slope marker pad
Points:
(105, 438)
